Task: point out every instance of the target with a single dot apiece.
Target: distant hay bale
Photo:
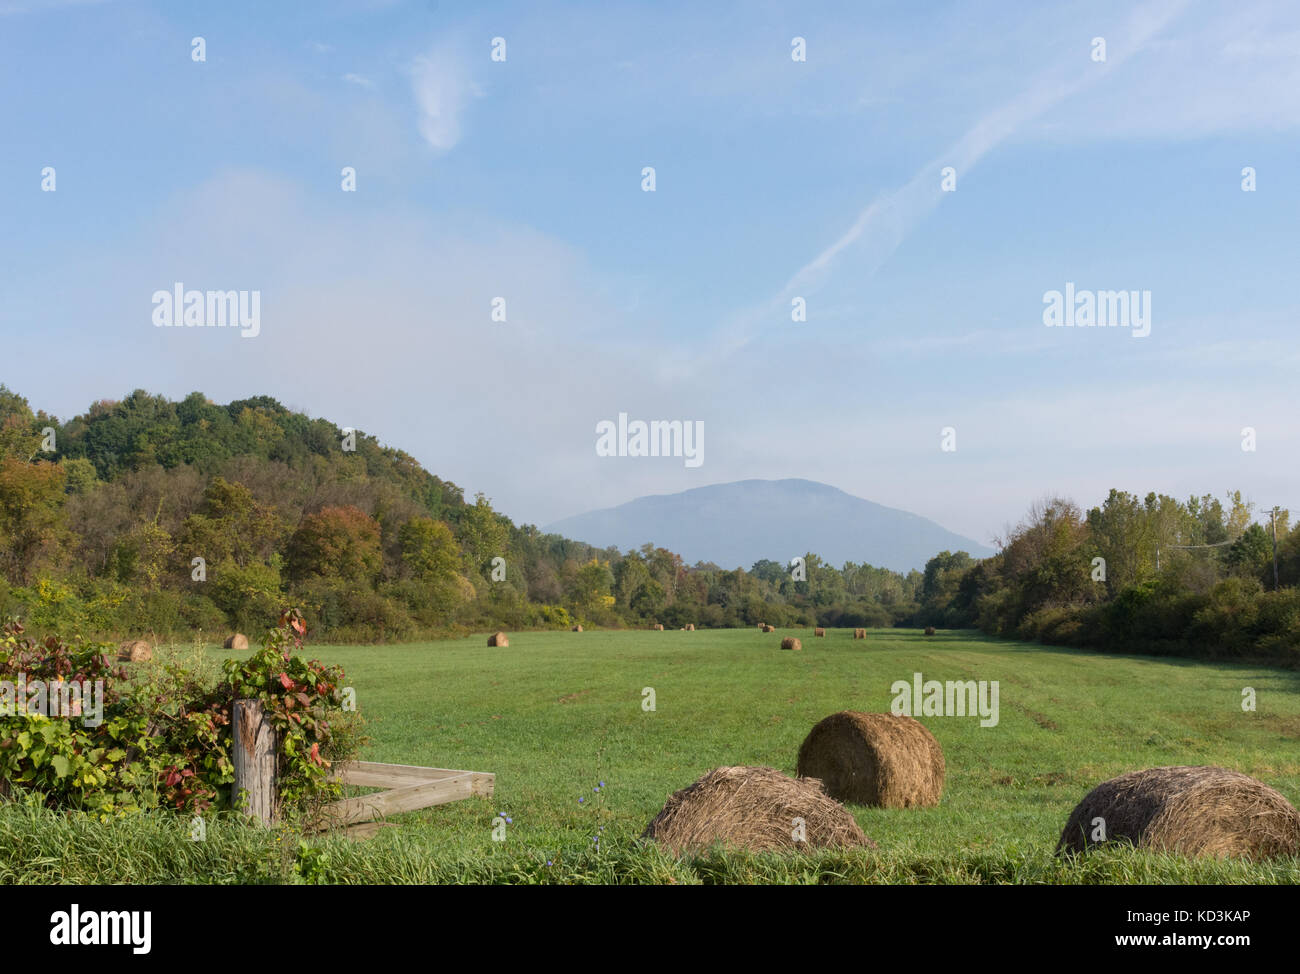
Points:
(789, 642)
(135, 651)
(859, 634)
(754, 809)
(690, 627)
(769, 628)
(762, 627)
(498, 639)
(237, 641)
(929, 630)
(1193, 811)
(577, 628)
(658, 627)
(819, 632)
(884, 760)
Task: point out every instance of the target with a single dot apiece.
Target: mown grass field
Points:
(555, 714)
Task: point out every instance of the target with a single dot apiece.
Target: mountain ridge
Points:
(738, 523)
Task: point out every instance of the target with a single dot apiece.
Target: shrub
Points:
(160, 736)
(248, 594)
(555, 616)
(1224, 624)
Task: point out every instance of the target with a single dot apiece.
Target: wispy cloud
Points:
(442, 87)
(884, 223)
(360, 81)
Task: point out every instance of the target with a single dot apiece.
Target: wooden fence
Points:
(405, 787)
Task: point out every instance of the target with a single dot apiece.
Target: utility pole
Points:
(1275, 509)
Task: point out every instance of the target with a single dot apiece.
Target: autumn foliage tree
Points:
(335, 543)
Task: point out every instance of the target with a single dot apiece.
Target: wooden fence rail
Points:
(405, 787)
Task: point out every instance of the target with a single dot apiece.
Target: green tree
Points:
(429, 550)
(483, 534)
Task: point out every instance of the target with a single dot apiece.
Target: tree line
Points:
(151, 516)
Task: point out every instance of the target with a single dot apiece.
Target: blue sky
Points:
(774, 178)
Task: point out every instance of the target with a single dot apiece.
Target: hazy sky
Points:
(775, 179)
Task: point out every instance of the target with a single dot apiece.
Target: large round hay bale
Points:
(762, 627)
(753, 809)
(874, 759)
(859, 634)
(577, 628)
(789, 642)
(658, 627)
(237, 641)
(690, 627)
(1194, 811)
(135, 651)
(498, 639)
(769, 628)
(929, 630)
(819, 631)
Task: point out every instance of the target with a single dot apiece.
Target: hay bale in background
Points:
(874, 759)
(753, 809)
(690, 627)
(577, 628)
(819, 632)
(859, 634)
(789, 642)
(769, 628)
(658, 627)
(237, 641)
(135, 651)
(1195, 811)
(498, 639)
(929, 630)
(762, 627)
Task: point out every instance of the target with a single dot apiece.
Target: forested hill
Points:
(143, 431)
(102, 518)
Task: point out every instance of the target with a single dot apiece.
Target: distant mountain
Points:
(737, 524)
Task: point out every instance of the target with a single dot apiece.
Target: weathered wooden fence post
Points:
(255, 754)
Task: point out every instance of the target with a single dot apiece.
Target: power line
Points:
(1189, 547)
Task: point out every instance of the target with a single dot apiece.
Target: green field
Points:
(556, 713)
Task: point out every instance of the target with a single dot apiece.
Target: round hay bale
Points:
(929, 630)
(498, 639)
(769, 628)
(134, 651)
(237, 641)
(577, 628)
(1194, 811)
(762, 627)
(690, 627)
(859, 634)
(789, 642)
(658, 627)
(819, 632)
(753, 809)
(874, 759)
